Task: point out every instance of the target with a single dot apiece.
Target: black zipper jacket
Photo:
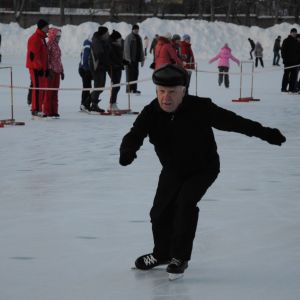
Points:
(184, 140)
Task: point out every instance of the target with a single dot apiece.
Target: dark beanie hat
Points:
(293, 30)
(170, 75)
(115, 35)
(102, 30)
(135, 26)
(42, 23)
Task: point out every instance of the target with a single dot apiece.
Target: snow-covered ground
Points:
(207, 37)
(73, 221)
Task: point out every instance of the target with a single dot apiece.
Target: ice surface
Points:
(72, 221)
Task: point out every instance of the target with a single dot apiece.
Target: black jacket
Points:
(290, 51)
(184, 141)
(116, 56)
(100, 53)
(276, 46)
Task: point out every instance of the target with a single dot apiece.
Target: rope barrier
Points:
(74, 89)
(246, 73)
(138, 81)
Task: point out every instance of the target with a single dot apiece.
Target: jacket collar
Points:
(41, 33)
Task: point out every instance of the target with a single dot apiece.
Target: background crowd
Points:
(108, 53)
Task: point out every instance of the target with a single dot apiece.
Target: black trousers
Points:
(86, 77)
(115, 76)
(289, 79)
(261, 61)
(99, 77)
(174, 214)
(132, 74)
(226, 76)
(29, 95)
(251, 51)
(276, 58)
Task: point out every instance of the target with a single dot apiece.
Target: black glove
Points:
(40, 73)
(48, 73)
(125, 62)
(31, 56)
(126, 157)
(273, 136)
(62, 75)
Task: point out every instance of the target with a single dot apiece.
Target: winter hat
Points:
(135, 26)
(42, 23)
(186, 37)
(293, 30)
(170, 75)
(167, 35)
(53, 33)
(102, 30)
(176, 37)
(115, 35)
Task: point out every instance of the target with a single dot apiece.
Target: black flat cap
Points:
(42, 23)
(170, 75)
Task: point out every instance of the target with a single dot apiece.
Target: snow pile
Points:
(207, 37)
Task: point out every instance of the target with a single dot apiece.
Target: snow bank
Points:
(207, 37)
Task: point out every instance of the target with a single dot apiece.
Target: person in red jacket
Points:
(165, 53)
(187, 52)
(56, 72)
(37, 63)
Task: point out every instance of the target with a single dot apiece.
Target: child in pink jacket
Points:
(56, 72)
(224, 56)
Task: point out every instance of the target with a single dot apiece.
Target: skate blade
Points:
(173, 276)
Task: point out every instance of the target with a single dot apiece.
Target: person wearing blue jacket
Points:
(85, 73)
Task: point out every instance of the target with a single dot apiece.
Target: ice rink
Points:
(73, 221)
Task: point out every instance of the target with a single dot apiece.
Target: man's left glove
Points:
(126, 157)
(62, 75)
(273, 136)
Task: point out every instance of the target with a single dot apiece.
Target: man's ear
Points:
(184, 90)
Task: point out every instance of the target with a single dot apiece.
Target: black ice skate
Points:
(95, 109)
(176, 268)
(149, 261)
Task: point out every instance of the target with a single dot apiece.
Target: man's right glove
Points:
(273, 136)
(126, 157)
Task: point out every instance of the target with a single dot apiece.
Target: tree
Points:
(200, 9)
(212, 10)
(229, 10)
(18, 8)
(62, 12)
(297, 10)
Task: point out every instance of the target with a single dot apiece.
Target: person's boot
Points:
(86, 104)
(96, 108)
(176, 268)
(149, 261)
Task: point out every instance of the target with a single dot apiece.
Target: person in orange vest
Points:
(37, 63)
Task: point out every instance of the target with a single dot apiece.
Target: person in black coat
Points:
(298, 69)
(276, 50)
(252, 44)
(116, 67)
(290, 57)
(0, 48)
(99, 64)
(180, 128)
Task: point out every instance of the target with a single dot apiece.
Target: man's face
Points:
(135, 31)
(45, 29)
(169, 98)
(294, 34)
